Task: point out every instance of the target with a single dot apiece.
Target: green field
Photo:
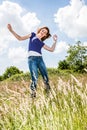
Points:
(65, 108)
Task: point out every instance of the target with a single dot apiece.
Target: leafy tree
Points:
(77, 57)
(1, 78)
(11, 71)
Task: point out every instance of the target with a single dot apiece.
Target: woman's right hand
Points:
(9, 27)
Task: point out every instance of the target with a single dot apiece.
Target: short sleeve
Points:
(32, 35)
(43, 44)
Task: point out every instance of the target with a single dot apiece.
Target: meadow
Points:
(64, 108)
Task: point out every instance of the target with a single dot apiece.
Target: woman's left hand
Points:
(55, 38)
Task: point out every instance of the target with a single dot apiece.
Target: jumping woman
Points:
(35, 60)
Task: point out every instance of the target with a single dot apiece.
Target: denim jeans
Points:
(36, 63)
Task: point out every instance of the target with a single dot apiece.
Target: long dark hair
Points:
(48, 33)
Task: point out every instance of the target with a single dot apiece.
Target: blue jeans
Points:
(36, 63)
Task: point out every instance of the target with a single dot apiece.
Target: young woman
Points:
(35, 60)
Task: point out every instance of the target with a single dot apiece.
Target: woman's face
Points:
(43, 32)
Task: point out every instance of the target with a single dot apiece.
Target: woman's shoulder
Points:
(33, 34)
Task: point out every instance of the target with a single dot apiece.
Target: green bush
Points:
(10, 71)
(19, 77)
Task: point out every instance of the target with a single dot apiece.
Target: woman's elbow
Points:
(19, 38)
(51, 50)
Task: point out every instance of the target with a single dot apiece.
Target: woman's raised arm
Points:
(20, 38)
(52, 48)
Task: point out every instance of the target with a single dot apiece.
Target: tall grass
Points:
(65, 108)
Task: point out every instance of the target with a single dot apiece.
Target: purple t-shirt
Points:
(35, 44)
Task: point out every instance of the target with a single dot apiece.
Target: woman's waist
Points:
(33, 53)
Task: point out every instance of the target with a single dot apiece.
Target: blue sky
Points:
(66, 18)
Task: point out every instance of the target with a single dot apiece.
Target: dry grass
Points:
(65, 108)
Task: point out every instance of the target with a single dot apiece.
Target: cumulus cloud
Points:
(2, 47)
(17, 54)
(85, 44)
(22, 21)
(61, 47)
(72, 19)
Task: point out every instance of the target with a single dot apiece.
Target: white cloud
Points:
(61, 47)
(72, 19)
(30, 21)
(22, 21)
(85, 44)
(3, 42)
(2, 47)
(17, 54)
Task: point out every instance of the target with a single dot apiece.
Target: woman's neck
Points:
(38, 36)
